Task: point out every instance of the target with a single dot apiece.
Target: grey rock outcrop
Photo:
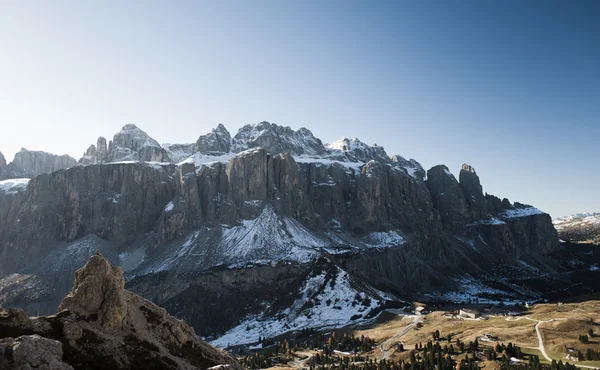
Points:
(86, 200)
(102, 325)
(29, 352)
(448, 198)
(217, 141)
(277, 139)
(3, 167)
(29, 163)
(471, 186)
(129, 144)
(354, 150)
(179, 152)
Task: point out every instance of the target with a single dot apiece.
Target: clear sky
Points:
(510, 87)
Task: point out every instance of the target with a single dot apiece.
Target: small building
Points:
(468, 313)
(421, 309)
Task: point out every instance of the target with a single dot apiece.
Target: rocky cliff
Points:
(129, 144)
(100, 325)
(252, 227)
(28, 164)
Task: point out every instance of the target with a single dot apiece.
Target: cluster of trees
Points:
(262, 360)
(427, 357)
(335, 342)
(589, 355)
(510, 350)
(586, 337)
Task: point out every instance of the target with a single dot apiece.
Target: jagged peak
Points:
(220, 128)
(277, 139)
(131, 135)
(130, 127)
(468, 168)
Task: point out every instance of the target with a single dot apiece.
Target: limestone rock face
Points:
(357, 151)
(248, 175)
(217, 141)
(114, 202)
(277, 139)
(179, 152)
(448, 197)
(101, 325)
(469, 182)
(32, 352)
(2, 163)
(129, 144)
(28, 164)
(98, 290)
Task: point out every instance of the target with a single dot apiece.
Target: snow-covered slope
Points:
(582, 227)
(327, 299)
(13, 185)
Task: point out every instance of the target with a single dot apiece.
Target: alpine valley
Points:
(271, 231)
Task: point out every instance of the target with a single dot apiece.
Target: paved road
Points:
(541, 340)
(384, 345)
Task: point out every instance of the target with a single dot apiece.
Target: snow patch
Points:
(521, 212)
(325, 301)
(385, 239)
(13, 186)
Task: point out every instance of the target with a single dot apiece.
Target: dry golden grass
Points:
(571, 320)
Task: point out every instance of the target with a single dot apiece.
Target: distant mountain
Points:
(29, 163)
(270, 230)
(580, 228)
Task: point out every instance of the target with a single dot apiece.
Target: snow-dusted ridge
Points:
(13, 186)
(325, 300)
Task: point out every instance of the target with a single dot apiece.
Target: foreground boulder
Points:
(101, 325)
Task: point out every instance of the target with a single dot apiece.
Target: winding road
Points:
(384, 346)
(541, 340)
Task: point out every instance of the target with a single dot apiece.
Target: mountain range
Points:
(269, 231)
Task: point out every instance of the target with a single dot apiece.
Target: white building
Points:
(468, 313)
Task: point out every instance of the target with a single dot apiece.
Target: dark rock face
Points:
(101, 325)
(469, 182)
(217, 141)
(67, 205)
(28, 164)
(32, 352)
(448, 198)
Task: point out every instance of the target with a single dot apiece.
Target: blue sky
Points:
(510, 87)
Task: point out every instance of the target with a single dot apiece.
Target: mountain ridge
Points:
(221, 228)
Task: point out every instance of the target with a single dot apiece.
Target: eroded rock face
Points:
(448, 198)
(28, 164)
(130, 144)
(101, 325)
(116, 202)
(32, 352)
(471, 186)
(217, 141)
(98, 290)
(277, 139)
(2, 164)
